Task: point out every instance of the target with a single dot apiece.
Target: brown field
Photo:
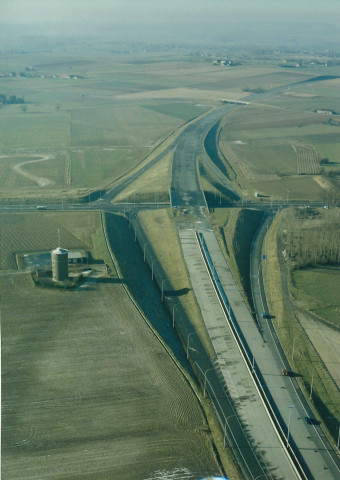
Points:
(88, 390)
(307, 160)
(31, 233)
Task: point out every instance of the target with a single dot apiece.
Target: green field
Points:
(319, 290)
(130, 103)
(94, 167)
(179, 110)
(266, 155)
(301, 188)
(257, 143)
(119, 126)
(33, 130)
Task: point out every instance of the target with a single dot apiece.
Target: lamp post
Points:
(152, 269)
(145, 244)
(254, 353)
(205, 380)
(225, 427)
(293, 348)
(188, 340)
(173, 315)
(311, 388)
(162, 289)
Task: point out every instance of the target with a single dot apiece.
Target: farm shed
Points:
(75, 257)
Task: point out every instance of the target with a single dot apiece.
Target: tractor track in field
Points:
(40, 181)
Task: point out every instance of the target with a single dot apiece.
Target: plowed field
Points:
(307, 159)
(89, 392)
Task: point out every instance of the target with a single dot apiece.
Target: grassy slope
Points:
(235, 229)
(151, 186)
(213, 190)
(319, 290)
(160, 229)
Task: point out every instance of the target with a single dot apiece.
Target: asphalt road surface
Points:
(308, 441)
(285, 391)
(185, 189)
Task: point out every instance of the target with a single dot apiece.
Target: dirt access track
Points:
(89, 391)
(18, 168)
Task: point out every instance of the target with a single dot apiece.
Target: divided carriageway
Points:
(306, 442)
(238, 404)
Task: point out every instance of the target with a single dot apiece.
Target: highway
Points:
(286, 391)
(185, 189)
(226, 378)
(237, 402)
(307, 442)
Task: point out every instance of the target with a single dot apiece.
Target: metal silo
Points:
(59, 258)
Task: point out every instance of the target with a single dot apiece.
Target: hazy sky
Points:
(177, 11)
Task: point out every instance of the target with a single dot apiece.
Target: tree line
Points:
(312, 246)
(11, 100)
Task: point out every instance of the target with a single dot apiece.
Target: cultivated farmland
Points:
(88, 390)
(307, 160)
(103, 398)
(256, 144)
(31, 233)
